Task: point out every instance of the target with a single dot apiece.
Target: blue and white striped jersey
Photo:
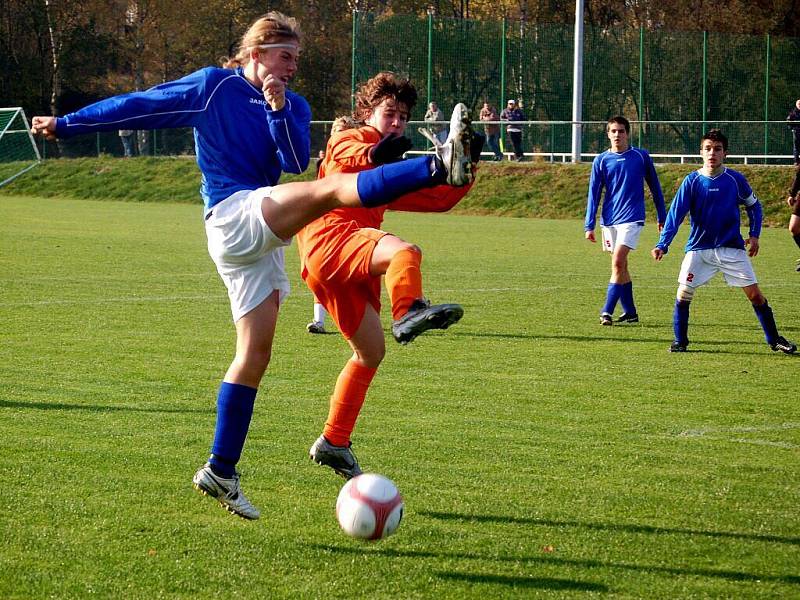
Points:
(713, 205)
(621, 174)
(241, 143)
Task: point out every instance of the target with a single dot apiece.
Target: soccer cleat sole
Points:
(340, 473)
(460, 172)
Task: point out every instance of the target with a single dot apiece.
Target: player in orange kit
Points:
(344, 254)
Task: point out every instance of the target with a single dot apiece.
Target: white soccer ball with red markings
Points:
(369, 507)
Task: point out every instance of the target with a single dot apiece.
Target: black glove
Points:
(476, 146)
(390, 149)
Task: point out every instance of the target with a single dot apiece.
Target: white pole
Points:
(577, 84)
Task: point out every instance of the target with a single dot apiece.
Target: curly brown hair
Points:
(384, 85)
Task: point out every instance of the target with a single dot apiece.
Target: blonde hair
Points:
(273, 27)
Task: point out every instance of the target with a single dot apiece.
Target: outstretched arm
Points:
(177, 103)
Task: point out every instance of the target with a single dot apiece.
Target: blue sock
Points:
(383, 184)
(612, 295)
(626, 299)
(234, 410)
(767, 320)
(680, 322)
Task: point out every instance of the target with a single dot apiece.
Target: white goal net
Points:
(18, 151)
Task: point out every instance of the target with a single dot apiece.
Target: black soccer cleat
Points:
(605, 319)
(628, 318)
(783, 345)
(677, 347)
(423, 316)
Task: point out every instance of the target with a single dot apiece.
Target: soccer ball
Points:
(369, 507)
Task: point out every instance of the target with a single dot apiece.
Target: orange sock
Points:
(348, 397)
(404, 281)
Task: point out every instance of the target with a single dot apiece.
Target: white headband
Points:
(265, 46)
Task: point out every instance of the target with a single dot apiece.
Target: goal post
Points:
(18, 150)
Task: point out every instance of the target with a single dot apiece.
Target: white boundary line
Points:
(716, 431)
(126, 299)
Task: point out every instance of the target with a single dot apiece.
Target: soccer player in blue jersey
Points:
(249, 127)
(712, 197)
(622, 171)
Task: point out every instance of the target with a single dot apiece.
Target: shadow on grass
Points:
(648, 529)
(545, 583)
(549, 559)
(97, 407)
(585, 338)
(702, 347)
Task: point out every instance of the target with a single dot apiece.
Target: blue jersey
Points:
(713, 205)
(622, 175)
(240, 142)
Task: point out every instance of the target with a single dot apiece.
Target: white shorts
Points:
(626, 234)
(699, 266)
(248, 256)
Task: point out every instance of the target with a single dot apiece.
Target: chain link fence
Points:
(672, 85)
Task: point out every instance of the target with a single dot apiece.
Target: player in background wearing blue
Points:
(249, 127)
(622, 171)
(712, 196)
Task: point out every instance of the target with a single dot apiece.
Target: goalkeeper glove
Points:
(390, 149)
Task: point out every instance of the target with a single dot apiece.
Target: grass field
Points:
(539, 454)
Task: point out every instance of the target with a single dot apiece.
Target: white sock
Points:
(319, 313)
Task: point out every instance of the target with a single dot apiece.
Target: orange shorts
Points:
(336, 270)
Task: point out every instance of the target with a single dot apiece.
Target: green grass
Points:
(543, 190)
(526, 425)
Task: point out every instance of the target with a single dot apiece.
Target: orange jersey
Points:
(336, 249)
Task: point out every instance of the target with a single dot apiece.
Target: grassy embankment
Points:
(535, 189)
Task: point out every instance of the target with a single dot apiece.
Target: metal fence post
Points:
(577, 83)
(353, 62)
(766, 101)
(503, 81)
(705, 79)
(641, 82)
(430, 53)
(503, 65)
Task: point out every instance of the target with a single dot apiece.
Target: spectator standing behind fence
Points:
(435, 113)
(489, 113)
(126, 136)
(513, 113)
(794, 125)
(794, 202)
